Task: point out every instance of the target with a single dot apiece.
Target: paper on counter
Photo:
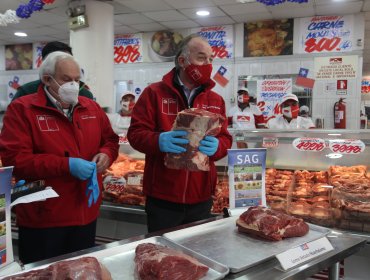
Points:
(36, 196)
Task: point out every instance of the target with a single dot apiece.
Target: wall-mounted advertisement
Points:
(37, 54)
(18, 57)
(128, 48)
(220, 38)
(322, 34)
(336, 67)
(163, 45)
(268, 38)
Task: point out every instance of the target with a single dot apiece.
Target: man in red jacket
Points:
(176, 197)
(66, 140)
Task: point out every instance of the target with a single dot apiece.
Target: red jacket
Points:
(37, 140)
(155, 112)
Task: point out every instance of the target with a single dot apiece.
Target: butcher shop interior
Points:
(168, 139)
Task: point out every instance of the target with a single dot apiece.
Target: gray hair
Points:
(48, 65)
(183, 48)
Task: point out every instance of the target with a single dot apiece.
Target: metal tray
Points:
(221, 241)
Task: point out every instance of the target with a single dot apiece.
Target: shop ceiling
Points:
(131, 16)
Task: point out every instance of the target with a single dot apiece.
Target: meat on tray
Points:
(270, 224)
(77, 269)
(154, 261)
(198, 123)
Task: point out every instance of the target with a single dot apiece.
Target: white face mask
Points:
(68, 92)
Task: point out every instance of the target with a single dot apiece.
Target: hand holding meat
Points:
(209, 145)
(102, 162)
(80, 168)
(168, 141)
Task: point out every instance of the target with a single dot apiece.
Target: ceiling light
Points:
(20, 34)
(202, 13)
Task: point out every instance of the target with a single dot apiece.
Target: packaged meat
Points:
(198, 123)
(154, 261)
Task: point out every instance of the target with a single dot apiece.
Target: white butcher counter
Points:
(118, 256)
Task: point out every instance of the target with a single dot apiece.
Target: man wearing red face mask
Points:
(176, 196)
(289, 118)
(120, 121)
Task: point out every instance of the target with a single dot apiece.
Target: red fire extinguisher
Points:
(340, 114)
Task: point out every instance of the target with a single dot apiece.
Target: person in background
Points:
(66, 140)
(304, 111)
(289, 118)
(32, 87)
(121, 120)
(176, 197)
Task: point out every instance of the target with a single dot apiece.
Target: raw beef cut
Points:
(270, 224)
(154, 261)
(78, 269)
(198, 123)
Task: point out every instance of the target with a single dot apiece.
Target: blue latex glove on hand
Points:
(92, 189)
(168, 141)
(208, 145)
(80, 168)
(20, 183)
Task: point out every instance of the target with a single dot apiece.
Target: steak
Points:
(78, 269)
(157, 262)
(198, 123)
(270, 224)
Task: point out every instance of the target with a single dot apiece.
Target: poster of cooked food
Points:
(326, 34)
(6, 248)
(247, 177)
(128, 48)
(18, 57)
(268, 38)
(220, 38)
(163, 45)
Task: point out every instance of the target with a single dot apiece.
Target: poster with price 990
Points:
(246, 177)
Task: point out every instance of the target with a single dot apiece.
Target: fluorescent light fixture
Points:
(20, 34)
(202, 13)
(254, 131)
(334, 155)
(334, 134)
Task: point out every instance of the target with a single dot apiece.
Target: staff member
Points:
(289, 118)
(121, 120)
(66, 140)
(176, 197)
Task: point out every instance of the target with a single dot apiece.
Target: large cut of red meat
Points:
(158, 262)
(270, 224)
(198, 123)
(78, 269)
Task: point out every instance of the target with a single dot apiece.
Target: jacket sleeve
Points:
(16, 149)
(142, 134)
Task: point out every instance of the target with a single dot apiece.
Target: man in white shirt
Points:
(289, 118)
(120, 121)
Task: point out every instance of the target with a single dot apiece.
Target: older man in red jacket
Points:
(175, 197)
(66, 140)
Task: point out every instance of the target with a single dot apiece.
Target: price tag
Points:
(309, 144)
(122, 139)
(304, 252)
(346, 146)
(270, 142)
(134, 180)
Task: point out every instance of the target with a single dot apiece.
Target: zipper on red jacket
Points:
(186, 186)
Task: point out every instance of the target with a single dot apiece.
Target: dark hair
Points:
(55, 46)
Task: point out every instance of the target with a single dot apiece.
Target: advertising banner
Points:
(128, 48)
(322, 34)
(336, 68)
(220, 38)
(18, 57)
(163, 45)
(247, 177)
(269, 94)
(37, 57)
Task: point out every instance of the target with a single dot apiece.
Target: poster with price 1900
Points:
(323, 34)
(128, 48)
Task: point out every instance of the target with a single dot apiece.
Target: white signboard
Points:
(336, 67)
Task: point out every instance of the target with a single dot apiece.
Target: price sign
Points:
(123, 138)
(270, 142)
(346, 146)
(309, 144)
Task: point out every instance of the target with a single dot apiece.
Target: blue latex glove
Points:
(168, 141)
(92, 189)
(80, 168)
(20, 183)
(208, 145)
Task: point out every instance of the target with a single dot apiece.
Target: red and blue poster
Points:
(246, 177)
(220, 38)
(37, 54)
(323, 34)
(128, 48)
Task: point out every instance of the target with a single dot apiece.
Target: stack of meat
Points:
(310, 196)
(278, 183)
(351, 196)
(221, 197)
(123, 182)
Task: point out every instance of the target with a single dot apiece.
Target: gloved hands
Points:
(80, 168)
(168, 141)
(20, 183)
(102, 162)
(208, 145)
(92, 189)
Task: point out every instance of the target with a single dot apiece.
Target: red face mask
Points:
(199, 74)
(291, 111)
(243, 98)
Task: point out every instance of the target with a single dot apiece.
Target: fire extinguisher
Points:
(340, 114)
